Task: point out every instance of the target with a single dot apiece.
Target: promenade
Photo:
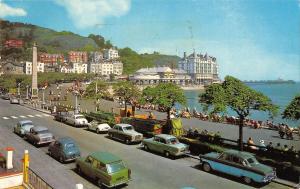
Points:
(227, 131)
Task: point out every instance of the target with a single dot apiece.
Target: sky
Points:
(251, 39)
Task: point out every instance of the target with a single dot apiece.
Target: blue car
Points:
(64, 149)
(239, 164)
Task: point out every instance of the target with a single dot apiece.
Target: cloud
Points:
(90, 13)
(6, 10)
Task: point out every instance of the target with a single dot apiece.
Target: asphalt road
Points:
(149, 171)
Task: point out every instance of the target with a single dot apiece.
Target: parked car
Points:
(39, 135)
(5, 97)
(105, 168)
(14, 100)
(165, 144)
(64, 149)
(76, 120)
(20, 101)
(99, 128)
(125, 133)
(23, 127)
(60, 116)
(240, 164)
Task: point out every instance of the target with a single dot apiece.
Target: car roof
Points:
(25, 121)
(165, 136)
(39, 128)
(66, 140)
(123, 125)
(105, 157)
(239, 153)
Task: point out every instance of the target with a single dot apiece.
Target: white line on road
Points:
(14, 117)
(38, 115)
(30, 115)
(46, 115)
(5, 117)
(21, 116)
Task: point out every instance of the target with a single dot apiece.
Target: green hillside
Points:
(61, 42)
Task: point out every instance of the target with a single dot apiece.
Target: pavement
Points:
(149, 170)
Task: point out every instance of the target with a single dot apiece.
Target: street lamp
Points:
(43, 103)
(27, 97)
(19, 89)
(76, 103)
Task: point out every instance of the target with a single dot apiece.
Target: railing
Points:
(36, 182)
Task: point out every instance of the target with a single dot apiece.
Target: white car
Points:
(76, 120)
(23, 127)
(99, 128)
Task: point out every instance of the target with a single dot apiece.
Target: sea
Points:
(280, 94)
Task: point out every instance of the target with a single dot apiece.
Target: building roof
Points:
(159, 70)
(105, 157)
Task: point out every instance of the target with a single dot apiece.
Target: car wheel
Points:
(247, 180)
(97, 131)
(99, 183)
(50, 153)
(167, 154)
(206, 167)
(110, 135)
(146, 147)
(78, 169)
(61, 159)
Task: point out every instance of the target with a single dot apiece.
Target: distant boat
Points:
(277, 81)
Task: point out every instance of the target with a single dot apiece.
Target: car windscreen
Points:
(128, 128)
(252, 161)
(70, 145)
(79, 117)
(173, 141)
(115, 167)
(43, 132)
(27, 124)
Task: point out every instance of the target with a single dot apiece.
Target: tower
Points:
(34, 88)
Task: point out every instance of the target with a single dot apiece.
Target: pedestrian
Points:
(250, 143)
(270, 146)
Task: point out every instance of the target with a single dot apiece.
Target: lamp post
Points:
(43, 103)
(27, 87)
(19, 89)
(76, 102)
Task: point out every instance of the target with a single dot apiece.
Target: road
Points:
(149, 170)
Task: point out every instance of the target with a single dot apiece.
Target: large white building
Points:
(107, 68)
(74, 68)
(28, 67)
(149, 76)
(110, 54)
(202, 68)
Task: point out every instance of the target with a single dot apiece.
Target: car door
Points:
(156, 144)
(18, 128)
(55, 149)
(116, 131)
(86, 167)
(30, 135)
(223, 163)
(237, 165)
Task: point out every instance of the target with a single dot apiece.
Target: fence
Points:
(35, 181)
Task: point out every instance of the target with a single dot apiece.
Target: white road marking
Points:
(30, 115)
(47, 115)
(5, 117)
(21, 116)
(38, 115)
(14, 117)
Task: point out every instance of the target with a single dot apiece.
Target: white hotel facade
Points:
(202, 68)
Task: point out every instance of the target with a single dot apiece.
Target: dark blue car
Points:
(64, 149)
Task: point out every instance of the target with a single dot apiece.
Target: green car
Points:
(165, 144)
(105, 168)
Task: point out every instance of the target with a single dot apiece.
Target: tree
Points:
(96, 92)
(292, 111)
(236, 95)
(165, 95)
(127, 91)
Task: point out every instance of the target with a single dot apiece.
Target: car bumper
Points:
(45, 142)
(269, 178)
(182, 153)
(117, 184)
